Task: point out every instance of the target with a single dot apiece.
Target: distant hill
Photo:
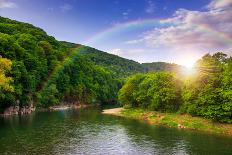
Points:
(124, 67)
(121, 66)
(162, 66)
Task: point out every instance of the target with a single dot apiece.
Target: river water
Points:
(87, 131)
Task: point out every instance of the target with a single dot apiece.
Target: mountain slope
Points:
(34, 55)
(162, 66)
(46, 71)
(121, 66)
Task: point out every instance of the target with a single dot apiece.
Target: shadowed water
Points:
(87, 131)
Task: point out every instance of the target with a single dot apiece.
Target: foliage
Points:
(121, 67)
(209, 93)
(156, 91)
(45, 71)
(162, 66)
(5, 66)
(5, 83)
(80, 80)
(33, 55)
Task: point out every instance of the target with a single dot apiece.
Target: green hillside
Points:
(122, 67)
(161, 66)
(43, 71)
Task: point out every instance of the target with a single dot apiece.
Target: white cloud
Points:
(198, 31)
(136, 41)
(66, 7)
(126, 13)
(220, 4)
(151, 7)
(115, 51)
(135, 54)
(7, 4)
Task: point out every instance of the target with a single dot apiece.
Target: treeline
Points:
(162, 66)
(207, 92)
(121, 67)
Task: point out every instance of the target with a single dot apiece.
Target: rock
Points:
(16, 110)
(9, 110)
(180, 126)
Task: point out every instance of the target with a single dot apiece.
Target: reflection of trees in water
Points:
(173, 141)
(160, 139)
(205, 143)
(88, 131)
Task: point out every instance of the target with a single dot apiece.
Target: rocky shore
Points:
(16, 110)
(68, 106)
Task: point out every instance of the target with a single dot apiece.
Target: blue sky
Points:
(176, 31)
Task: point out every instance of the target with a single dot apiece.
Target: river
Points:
(87, 131)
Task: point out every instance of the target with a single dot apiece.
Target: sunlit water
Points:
(89, 132)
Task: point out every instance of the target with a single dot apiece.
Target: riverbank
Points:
(16, 110)
(114, 111)
(68, 106)
(173, 120)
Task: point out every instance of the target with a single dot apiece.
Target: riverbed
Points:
(88, 131)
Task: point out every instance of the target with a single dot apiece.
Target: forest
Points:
(207, 92)
(37, 69)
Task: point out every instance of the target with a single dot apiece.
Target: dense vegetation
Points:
(162, 66)
(45, 71)
(79, 80)
(5, 81)
(121, 67)
(156, 91)
(33, 54)
(207, 93)
(37, 69)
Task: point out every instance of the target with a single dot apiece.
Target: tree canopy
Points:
(156, 91)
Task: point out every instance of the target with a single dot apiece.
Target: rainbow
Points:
(126, 27)
(130, 26)
(149, 24)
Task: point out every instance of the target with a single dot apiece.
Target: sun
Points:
(188, 62)
(188, 65)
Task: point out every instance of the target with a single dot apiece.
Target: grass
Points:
(176, 120)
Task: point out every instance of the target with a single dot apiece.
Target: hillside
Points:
(33, 55)
(162, 66)
(44, 71)
(121, 66)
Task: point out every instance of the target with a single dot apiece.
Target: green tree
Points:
(157, 91)
(5, 81)
(208, 93)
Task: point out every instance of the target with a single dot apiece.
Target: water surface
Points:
(87, 131)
